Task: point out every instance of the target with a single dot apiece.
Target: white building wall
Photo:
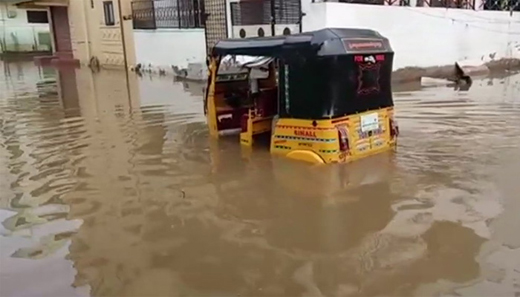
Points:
(15, 29)
(423, 36)
(420, 36)
(164, 48)
(315, 16)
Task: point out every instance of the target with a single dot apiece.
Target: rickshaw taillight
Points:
(394, 128)
(343, 139)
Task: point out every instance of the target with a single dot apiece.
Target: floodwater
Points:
(115, 189)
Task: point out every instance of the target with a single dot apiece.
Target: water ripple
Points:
(123, 193)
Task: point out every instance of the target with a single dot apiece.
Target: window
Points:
(37, 17)
(108, 9)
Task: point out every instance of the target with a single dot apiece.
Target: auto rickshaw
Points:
(324, 96)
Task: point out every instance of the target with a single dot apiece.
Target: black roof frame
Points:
(324, 42)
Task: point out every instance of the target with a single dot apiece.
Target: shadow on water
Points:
(113, 191)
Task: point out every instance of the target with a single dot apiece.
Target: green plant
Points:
(16, 42)
(2, 45)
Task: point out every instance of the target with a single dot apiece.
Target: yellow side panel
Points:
(321, 137)
(302, 135)
(211, 115)
(363, 144)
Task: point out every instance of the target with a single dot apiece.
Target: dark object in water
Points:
(463, 80)
(138, 69)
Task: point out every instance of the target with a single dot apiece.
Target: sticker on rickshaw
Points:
(363, 45)
(305, 144)
(369, 59)
(305, 133)
(369, 122)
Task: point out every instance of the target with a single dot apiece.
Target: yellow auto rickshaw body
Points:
(318, 141)
(323, 96)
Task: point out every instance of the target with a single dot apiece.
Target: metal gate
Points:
(215, 22)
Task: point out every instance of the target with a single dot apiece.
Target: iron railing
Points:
(467, 4)
(215, 22)
(143, 15)
(463, 4)
(260, 12)
(502, 5)
(287, 11)
(154, 14)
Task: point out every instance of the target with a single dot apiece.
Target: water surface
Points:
(109, 188)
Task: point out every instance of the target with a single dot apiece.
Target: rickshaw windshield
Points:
(242, 63)
(243, 67)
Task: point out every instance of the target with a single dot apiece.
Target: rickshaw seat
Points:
(243, 122)
(266, 102)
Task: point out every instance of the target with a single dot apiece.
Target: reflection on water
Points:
(115, 189)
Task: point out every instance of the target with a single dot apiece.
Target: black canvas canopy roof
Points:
(324, 42)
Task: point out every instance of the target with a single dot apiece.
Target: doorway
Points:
(61, 32)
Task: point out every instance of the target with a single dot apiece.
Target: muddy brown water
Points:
(115, 189)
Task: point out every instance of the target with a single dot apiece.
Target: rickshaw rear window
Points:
(335, 86)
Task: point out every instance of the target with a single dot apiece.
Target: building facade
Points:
(168, 35)
(23, 30)
(90, 31)
(423, 33)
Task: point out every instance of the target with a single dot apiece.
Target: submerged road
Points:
(109, 190)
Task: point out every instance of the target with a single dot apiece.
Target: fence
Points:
(154, 14)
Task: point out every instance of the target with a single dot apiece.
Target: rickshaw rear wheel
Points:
(306, 156)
